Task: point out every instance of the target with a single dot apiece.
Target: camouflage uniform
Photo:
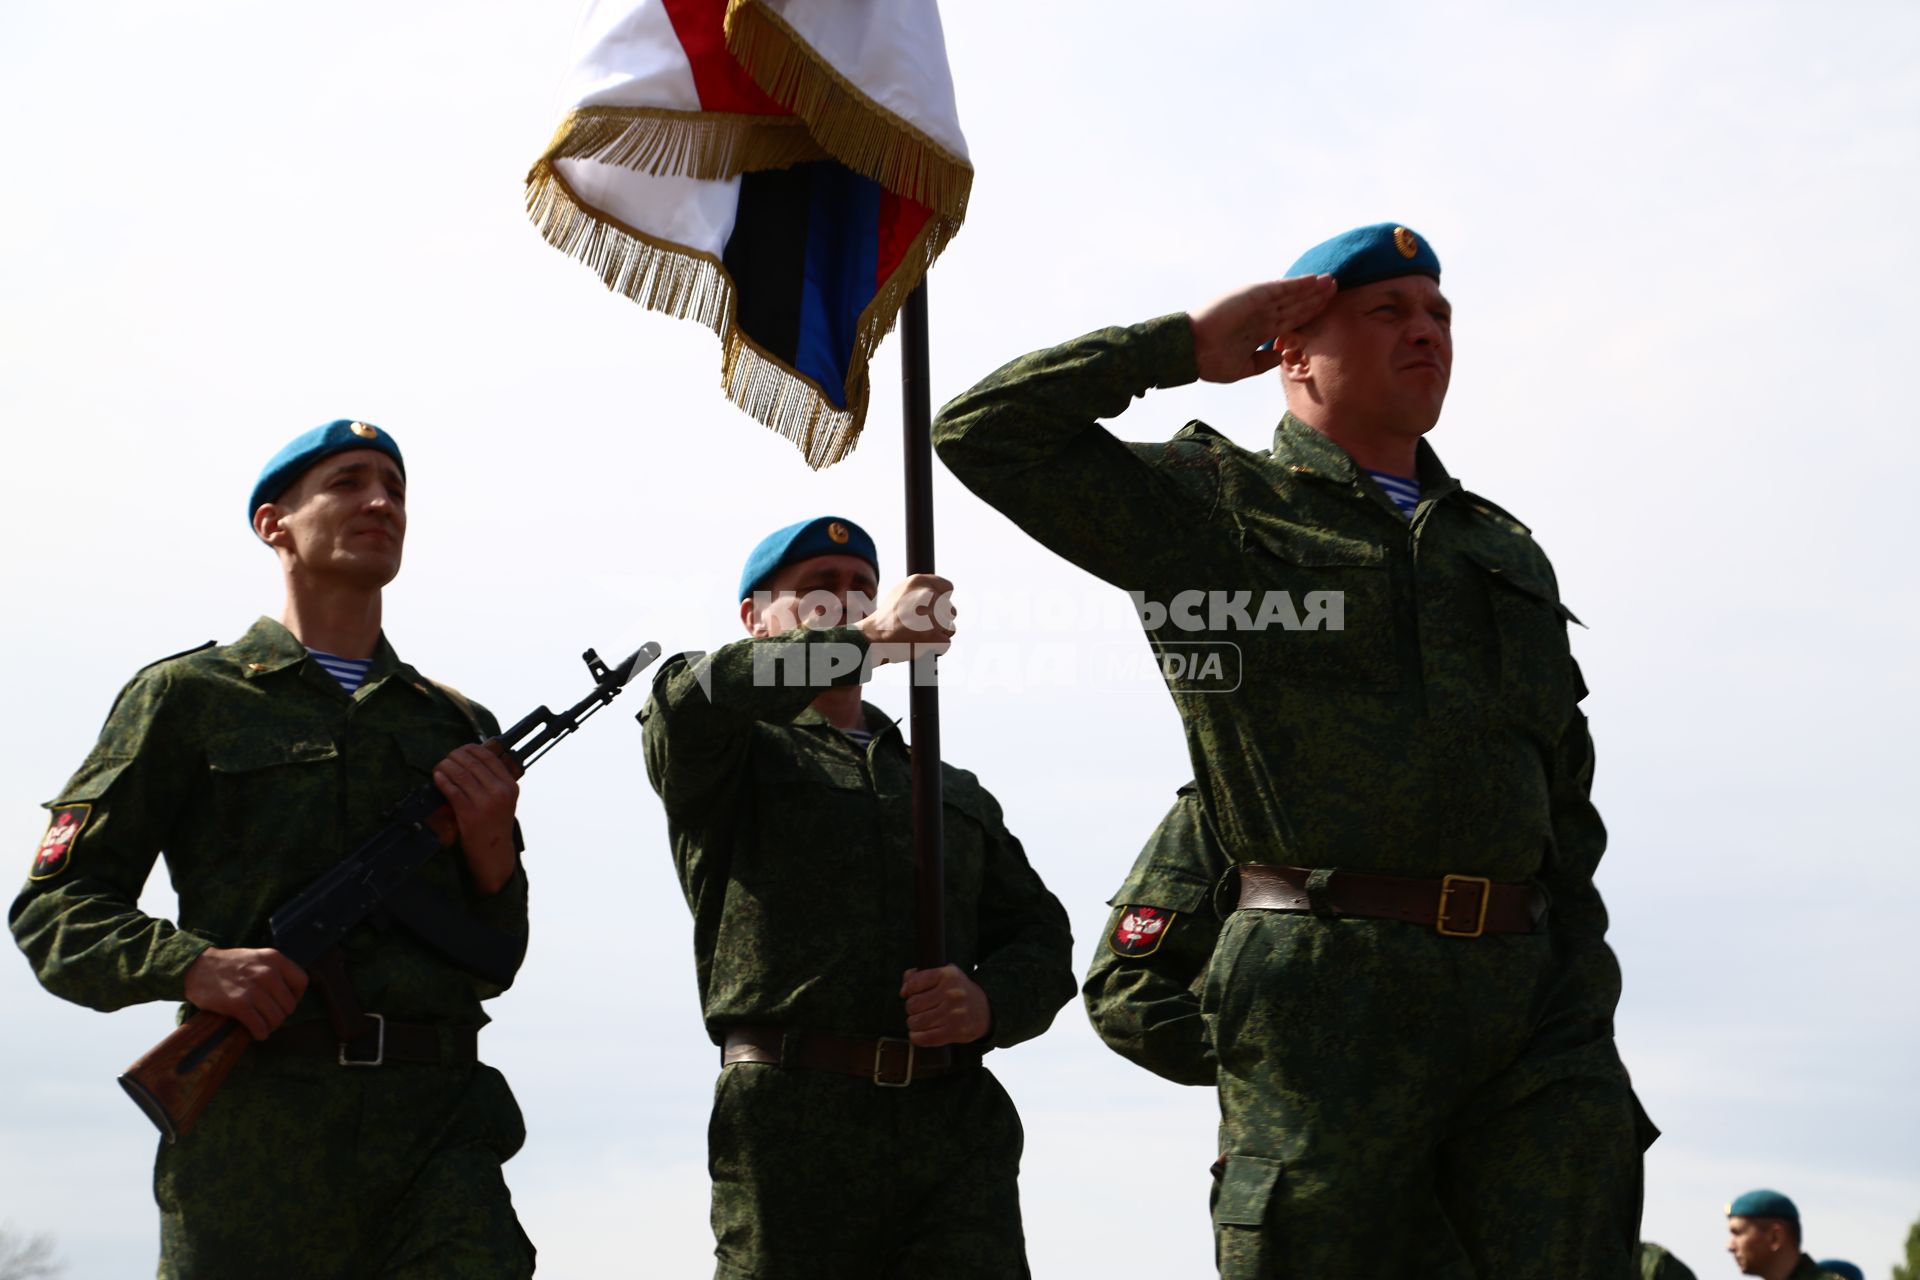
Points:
(1362, 1063)
(1653, 1262)
(794, 850)
(253, 772)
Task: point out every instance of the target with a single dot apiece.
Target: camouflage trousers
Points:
(306, 1170)
(818, 1175)
(1395, 1103)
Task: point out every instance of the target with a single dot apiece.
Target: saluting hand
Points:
(1228, 331)
(482, 793)
(944, 1006)
(255, 986)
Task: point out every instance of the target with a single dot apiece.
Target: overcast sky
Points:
(1682, 247)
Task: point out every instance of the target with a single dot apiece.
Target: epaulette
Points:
(199, 648)
(1495, 513)
(1196, 428)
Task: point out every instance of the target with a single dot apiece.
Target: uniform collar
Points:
(1304, 450)
(877, 721)
(268, 647)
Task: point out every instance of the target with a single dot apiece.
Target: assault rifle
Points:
(174, 1080)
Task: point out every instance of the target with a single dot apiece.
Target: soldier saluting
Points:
(1414, 998)
(854, 1131)
(363, 1120)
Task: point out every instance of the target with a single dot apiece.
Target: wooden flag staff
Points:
(929, 854)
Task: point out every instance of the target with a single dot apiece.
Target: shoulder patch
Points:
(184, 653)
(1140, 931)
(56, 847)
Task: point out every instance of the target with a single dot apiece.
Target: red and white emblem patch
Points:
(56, 847)
(1140, 931)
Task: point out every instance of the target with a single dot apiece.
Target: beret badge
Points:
(1404, 241)
(838, 532)
(364, 431)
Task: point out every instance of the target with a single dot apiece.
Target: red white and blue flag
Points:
(783, 171)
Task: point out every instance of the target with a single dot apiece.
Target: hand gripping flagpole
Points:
(929, 853)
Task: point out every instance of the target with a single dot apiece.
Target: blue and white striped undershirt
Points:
(1404, 492)
(350, 672)
(861, 737)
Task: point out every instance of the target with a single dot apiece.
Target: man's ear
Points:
(1295, 364)
(748, 619)
(267, 525)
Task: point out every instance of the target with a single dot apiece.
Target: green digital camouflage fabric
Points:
(1653, 1262)
(252, 772)
(794, 851)
(1406, 704)
(1143, 994)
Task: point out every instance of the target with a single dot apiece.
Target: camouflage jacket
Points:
(1403, 700)
(794, 849)
(252, 772)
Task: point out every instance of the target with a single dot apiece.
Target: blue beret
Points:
(310, 447)
(820, 536)
(1763, 1204)
(1367, 255)
(1845, 1270)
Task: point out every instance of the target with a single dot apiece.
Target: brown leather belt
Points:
(1453, 906)
(385, 1041)
(887, 1060)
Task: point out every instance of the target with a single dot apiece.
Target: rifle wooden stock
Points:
(173, 1081)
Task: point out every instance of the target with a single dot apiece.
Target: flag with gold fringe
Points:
(783, 171)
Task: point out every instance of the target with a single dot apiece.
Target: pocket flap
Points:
(1313, 548)
(245, 752)
(1245, 1190)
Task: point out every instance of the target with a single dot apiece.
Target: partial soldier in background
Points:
(1653, 1262)
(854, 1131)
(1414, 997)
(361, 1137)
(1763, 1235)
(1841, 1268)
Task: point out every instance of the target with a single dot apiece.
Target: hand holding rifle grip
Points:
(175, 1080)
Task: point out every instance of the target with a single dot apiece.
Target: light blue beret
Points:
(1763, 1204)
(310, 447)
(1845, 1270)
(1367, 255)
(820, 536)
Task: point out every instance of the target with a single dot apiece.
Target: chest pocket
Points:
(1335, 628)
(807, 799)
(1536, 664)
(968, 824)
(276, 803)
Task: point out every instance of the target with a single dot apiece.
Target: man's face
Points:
(346, 516)
(1381, 355)
(1754, 1242)
(834, 590)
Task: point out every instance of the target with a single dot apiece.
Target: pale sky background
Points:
(1682, 245)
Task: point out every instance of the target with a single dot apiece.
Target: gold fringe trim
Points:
(708, 145)
(690, 285)
(855, 129)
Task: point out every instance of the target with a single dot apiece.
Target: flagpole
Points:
(929, 853)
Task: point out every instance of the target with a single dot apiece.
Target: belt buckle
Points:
(879, 1069)
(1447, 886)
(379, 1046)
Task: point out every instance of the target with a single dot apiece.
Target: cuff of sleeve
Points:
(507, 909)
(171, 958)
(1008, 1019)
(1167, 346)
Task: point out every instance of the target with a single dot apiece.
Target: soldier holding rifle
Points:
(854, 1131)
(361, 1137)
